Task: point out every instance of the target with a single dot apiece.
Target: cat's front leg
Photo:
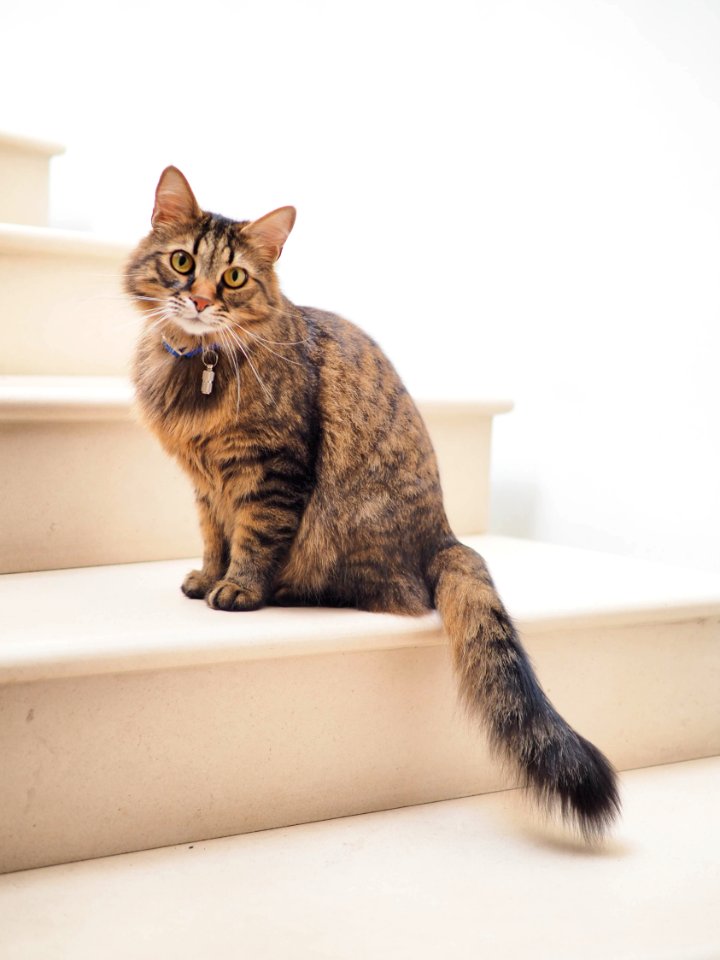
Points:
(266, 523)
(198, 583)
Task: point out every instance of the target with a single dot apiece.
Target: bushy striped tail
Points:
(497, 682)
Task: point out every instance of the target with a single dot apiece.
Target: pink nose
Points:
(200, 303)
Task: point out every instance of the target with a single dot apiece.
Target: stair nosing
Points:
(28, 398)
(23, 144)
(25, 239)
(193, 635)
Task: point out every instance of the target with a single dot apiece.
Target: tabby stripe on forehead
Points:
(221, 229)
(201, 236)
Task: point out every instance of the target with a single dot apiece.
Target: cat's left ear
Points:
(271, 231)
(174, 200)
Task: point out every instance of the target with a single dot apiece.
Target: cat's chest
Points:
(184, 397)
(225, 465)
(184, 388)
(219, 439)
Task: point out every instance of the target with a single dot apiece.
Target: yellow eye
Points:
(181, 261)
(235, 277)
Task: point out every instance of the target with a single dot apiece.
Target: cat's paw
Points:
(196, 585)
(228, 595)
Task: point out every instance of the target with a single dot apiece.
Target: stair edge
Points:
(203, 637)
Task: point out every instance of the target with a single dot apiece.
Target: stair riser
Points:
(99, 765)
(24, 180)
(23, 188)
(65, 314)
(88, 493)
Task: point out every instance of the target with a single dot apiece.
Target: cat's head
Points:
(201, 273)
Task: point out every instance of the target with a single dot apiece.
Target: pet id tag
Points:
(209, 359)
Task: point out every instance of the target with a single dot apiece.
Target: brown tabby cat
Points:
(315, 478)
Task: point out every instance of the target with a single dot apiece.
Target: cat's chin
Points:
(196, 328)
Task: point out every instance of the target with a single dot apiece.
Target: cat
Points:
(315, 479)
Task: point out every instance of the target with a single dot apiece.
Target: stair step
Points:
(463, 879)
(133, 717)
(24, 179)
(77, 320)
(91, 486)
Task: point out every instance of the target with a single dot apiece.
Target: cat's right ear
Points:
(174, 200)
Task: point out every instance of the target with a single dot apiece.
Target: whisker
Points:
(164, 305)
(119, 298)
(245, 351)
(256, 336)
(264, 343)
(236, 364)
(146, 314)
(118, 277)
(225, 341)
(156, 323)
(139, 320)
(278, 343)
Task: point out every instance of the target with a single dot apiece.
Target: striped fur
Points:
(316, 482)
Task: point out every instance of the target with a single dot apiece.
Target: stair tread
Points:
(459, 878)
(48, 396)
(132, 616)
(31, 239)
(30, 145)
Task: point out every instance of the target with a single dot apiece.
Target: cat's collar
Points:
(186, 354)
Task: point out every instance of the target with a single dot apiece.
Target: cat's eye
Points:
(181, 261)
(235, 277)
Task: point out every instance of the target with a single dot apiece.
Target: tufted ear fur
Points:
(271, 231)
(174, 200)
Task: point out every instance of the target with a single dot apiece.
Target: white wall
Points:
(516, 198)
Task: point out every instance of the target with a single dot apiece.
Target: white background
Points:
(517, 199)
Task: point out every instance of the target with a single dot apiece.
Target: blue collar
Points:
(191, 353)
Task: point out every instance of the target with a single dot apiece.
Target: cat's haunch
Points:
(315, 479)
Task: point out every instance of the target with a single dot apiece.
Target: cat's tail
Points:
(498, 683)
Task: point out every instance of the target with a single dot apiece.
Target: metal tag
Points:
(207, 380)
(209, 359)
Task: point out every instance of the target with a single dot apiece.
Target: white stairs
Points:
(133, 719)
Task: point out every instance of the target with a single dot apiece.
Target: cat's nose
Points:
(200, 302)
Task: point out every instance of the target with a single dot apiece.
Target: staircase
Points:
(132, 719)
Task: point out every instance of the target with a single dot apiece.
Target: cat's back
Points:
(377, 499)
(355, 376)
(372, 431)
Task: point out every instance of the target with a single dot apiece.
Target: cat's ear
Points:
(271, 231)
(174, 200)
